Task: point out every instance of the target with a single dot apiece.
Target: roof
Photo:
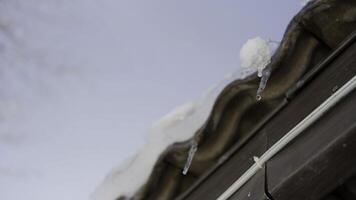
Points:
(318, 160)
(316, 31)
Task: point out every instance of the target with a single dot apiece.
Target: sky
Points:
(82, 81)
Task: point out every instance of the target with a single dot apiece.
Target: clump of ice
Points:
(179, 125)
(255, 54)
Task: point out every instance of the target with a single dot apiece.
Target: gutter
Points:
(290, 136)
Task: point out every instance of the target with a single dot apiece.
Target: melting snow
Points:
(305, 2)
(179, 114)
(179, 125)
(255, 53)
(74, 42)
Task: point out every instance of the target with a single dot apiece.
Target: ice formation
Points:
(179, 125)
(256, 54)
(263, 83)
(193, 149)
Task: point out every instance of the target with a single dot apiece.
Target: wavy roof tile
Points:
(317, 30)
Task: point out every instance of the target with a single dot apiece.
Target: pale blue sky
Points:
(83, 80)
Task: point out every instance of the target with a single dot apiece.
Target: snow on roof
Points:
(305, 2)
(182, 123)
(255, 53)
(177, 126)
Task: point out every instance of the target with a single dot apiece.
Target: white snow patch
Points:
(305, 2)
(255, 53)
(178, 114)
(179, 125)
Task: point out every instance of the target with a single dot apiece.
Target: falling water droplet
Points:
(258, 97)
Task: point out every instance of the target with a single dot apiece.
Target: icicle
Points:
(266, 73)
(193, 149)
